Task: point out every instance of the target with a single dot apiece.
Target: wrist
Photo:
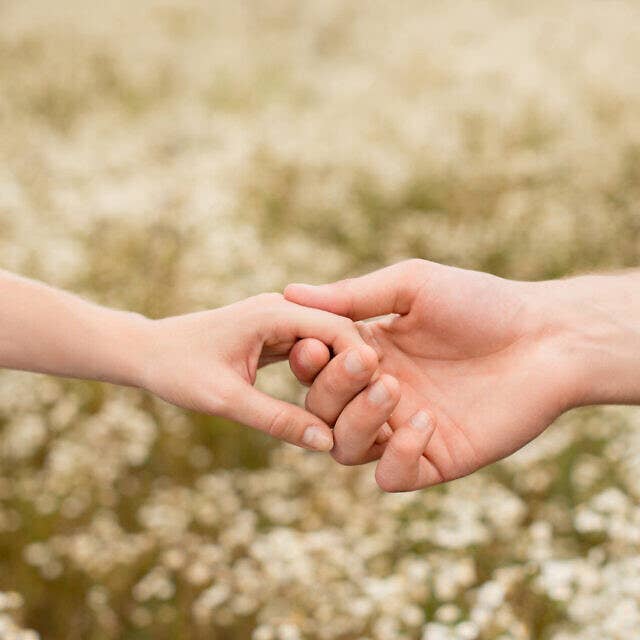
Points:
(592, 323)
(129, 343)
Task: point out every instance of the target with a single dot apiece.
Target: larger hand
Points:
(472, 349)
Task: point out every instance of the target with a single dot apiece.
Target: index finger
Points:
(288, 321)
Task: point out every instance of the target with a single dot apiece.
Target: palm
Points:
(465, 344)
(465, 350)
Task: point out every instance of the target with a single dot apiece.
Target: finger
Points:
(358, 426)
(340, 381)
(277, 418)
(384, 433)
(388, 290)
(403, 467)
(307, 358)
(442, 456)
(284, 321)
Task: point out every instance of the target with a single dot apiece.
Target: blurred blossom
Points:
(171, 156)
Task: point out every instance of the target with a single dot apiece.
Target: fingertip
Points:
(391, 475)
(384, 480)
(318, 437)
(298, 292)
(384, 391)
(399, 467)
(406, 444)
(369, 357)
(314, 354)
(392, 384)
(307, 358)
(323, 297)
(384, 433)
(423, 422)
(360, 362)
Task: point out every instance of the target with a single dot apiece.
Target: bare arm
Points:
(50, 331)
(205, 361)
(594, 321)
(494, 362)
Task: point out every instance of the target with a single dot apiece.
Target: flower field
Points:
(172, 155)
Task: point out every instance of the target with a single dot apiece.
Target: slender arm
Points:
(205, 361)
(50, 331)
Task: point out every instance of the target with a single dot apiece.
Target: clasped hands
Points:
(465, 371)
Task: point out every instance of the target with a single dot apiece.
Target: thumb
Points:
(279, 419)
(389, 290)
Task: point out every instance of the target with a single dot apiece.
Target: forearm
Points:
(49, 331)
(594, 321)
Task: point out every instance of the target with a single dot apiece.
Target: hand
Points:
(208, 362)
(476, 360)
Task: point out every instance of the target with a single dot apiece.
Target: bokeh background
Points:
(172, 155)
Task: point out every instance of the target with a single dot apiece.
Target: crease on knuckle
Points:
(330, 385)
(390, 482)
(345, 288)
(280, 425)
(345, 457)
(219, 401)
(402, 450)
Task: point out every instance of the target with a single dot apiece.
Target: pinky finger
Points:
(403, 467)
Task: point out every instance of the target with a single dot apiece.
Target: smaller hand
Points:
(208, 362)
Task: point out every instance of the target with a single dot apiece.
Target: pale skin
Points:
(205, 361)
(491, 362)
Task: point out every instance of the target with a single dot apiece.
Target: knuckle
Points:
(311, 403)
(269, 298)
(331, 384)
(414, 265)
(347, 326)
(280, 425)
(347, 323)
(402, 450)
(390, 483)
(220, 402)
(344, 287)
(345, 457)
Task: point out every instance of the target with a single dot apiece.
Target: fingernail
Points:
(353, 363)
(378, 393)
(317, 438)
(420, 421)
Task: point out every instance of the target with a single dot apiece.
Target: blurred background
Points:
(172, 155)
